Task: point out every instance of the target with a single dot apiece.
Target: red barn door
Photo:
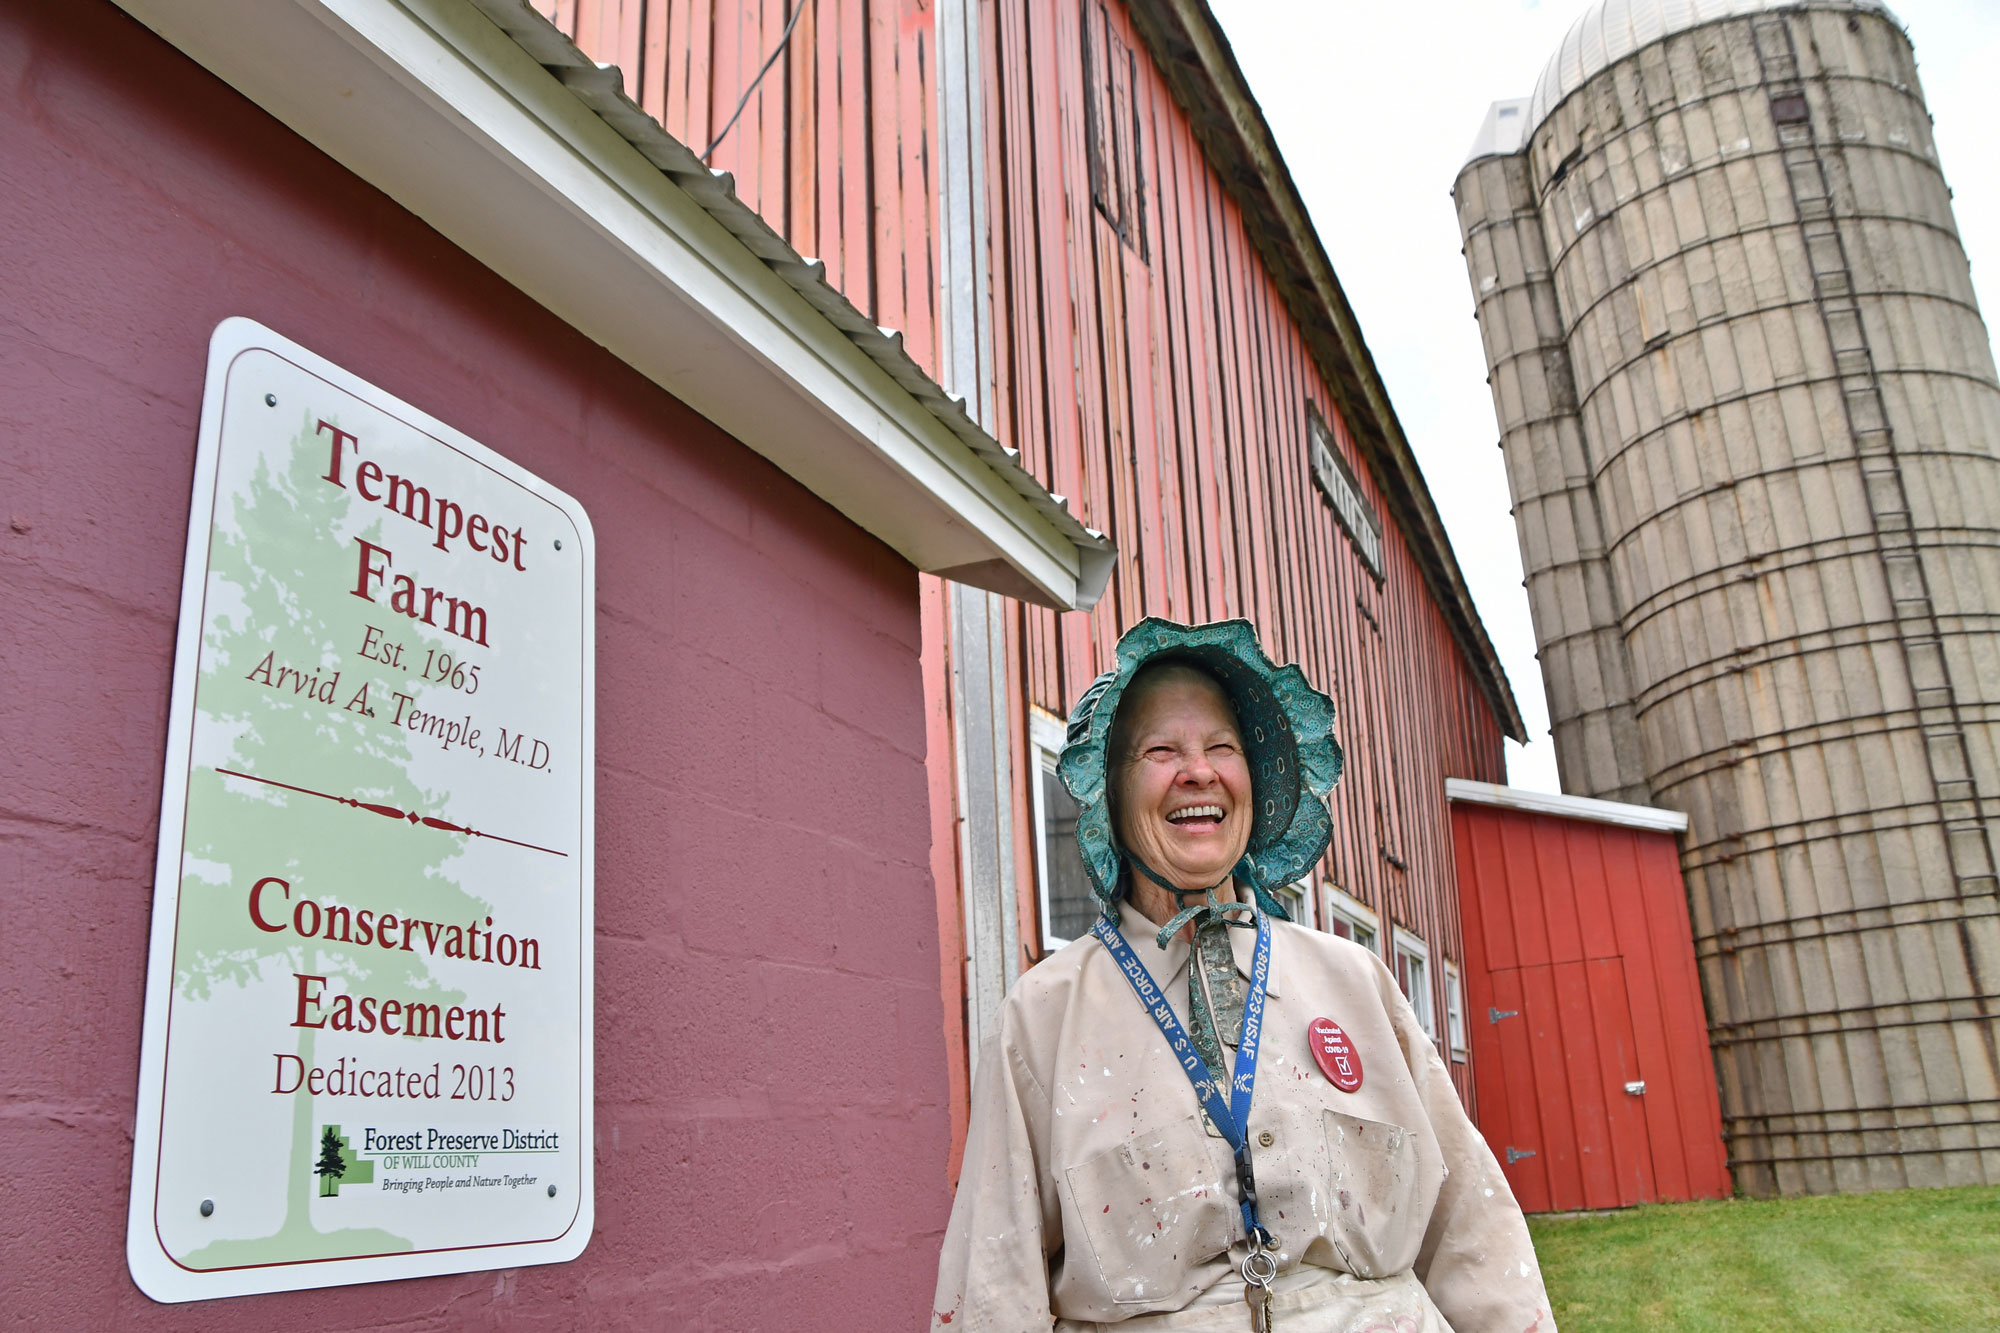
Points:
(1580, 984)
(1556, 1045)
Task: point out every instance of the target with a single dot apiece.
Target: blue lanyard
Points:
(1232, 1117)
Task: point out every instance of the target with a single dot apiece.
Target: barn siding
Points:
(1161, 385)
(1165, 393)
(834, 147)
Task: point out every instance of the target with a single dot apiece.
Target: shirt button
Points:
(1266, 1139)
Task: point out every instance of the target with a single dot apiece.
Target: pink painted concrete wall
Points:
(771, 1118)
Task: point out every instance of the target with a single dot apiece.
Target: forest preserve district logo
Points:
(338, 1164)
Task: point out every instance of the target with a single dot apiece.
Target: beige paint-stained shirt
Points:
(1093, 1191)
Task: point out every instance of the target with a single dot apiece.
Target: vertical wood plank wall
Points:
(1166, 394)
(834, 147)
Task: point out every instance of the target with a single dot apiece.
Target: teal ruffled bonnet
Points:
(1287, 729)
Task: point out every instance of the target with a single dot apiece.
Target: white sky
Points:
(1375, 105)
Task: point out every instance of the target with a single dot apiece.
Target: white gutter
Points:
(1567, 807)
(528, 157)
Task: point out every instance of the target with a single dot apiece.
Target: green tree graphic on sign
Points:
(279, 577)
(338, 1163)
(331, 1167)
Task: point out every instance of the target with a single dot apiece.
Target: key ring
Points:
(1260, 1266)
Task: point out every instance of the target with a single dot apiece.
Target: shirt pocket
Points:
(1152, 1210)
(1378, 1210)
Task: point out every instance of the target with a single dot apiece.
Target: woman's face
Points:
(1181, 780)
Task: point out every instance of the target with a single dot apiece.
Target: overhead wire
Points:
(751, 91)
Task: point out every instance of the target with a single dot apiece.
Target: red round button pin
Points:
(1334, 1054)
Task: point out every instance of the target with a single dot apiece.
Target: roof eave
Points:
(485, 120)
(1564, 806)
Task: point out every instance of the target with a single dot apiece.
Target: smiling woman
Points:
(1180, 782)
(1214, 1107)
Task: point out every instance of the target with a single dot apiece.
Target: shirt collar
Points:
(1166, 965)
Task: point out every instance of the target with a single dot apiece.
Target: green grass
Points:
(1910, 1259)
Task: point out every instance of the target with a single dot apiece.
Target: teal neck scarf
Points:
(1215, 1000)
(1212, 911)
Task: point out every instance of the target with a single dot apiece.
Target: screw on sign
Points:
(1335, 1054)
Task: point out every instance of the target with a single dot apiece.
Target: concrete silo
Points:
(1752, 429)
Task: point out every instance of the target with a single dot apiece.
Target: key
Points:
(1258, 1298)
(1260, 1262)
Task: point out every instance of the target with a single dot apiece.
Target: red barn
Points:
(451, 202)
(816, 309)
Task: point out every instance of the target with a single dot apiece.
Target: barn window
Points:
(1454, 1010)
(1294, 898)
(1111, 127)
(1349, 917)
(1413, 977)
(1068, 906)
(1342, 490)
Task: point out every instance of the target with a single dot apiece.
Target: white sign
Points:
(367, 1044)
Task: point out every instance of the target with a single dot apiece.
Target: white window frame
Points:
(1336, 902)
(1297, 898)
(1408, 944)
(1454, 1011)
(1046, 735)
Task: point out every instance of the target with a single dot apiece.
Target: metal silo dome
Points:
(1610, 30)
